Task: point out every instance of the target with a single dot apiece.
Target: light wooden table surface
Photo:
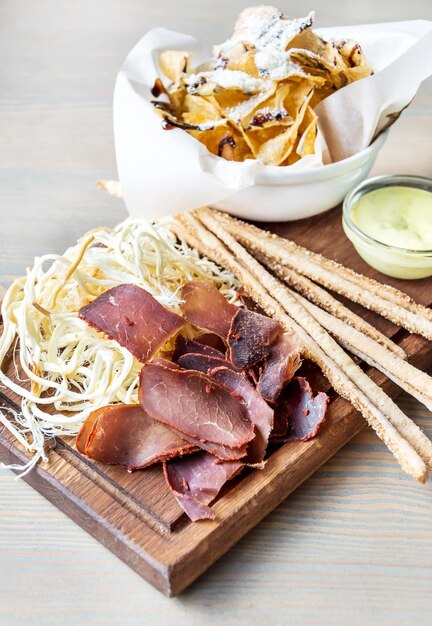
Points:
(353, 544)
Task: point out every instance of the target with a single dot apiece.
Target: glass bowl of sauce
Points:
(389, 221)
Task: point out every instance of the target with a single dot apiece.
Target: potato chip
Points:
(225, 141)
(331, 66)
(244, 63)
(275, 104)
(351, 52)
(305, 141)
(308, 40)
(277, 149)
(224, 57)
(244, 115)
(356, 73)
(307, 133)
(332, 55)
(241, 111)
(195, 122)
(320, 94)
(312, 62)
(221, 80)
(267, 117)
(298, 93)
(177, 97)
(256, 141)
(256, 97)
(230, 103)
(173, 64)
(200, 110)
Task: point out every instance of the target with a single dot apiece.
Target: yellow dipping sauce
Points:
(397, 216)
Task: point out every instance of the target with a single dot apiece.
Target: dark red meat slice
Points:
(313, 375)
(248, 302)
(250, 337)
(205, 307)
(188, 346)
(203, 363)
(84, 432)
(223, 453)
(197, 480)
(165, 363)
(123, 434)
(133, 318)
(260, 414)
(212, 341)
(305, 414)
(195, 405)
(280, 423)
(279, 367)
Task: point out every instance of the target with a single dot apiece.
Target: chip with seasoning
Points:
(255, 98)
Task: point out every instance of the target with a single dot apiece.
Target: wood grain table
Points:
(353, 544)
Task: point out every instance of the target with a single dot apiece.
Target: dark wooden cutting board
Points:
(136, 517)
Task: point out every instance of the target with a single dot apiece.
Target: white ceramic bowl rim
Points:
(322, 172)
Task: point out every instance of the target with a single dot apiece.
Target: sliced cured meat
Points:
(314, 376)
(205, 307)
(253, 373)
(84, 432)
(188, 346)
(248, 302)
(305, 414)
(280, 423)
(133, 318)
(250, 337)
(260, 414)
(279, 367)
(203, 363)
(212, 341)
(223, 453)
(195, 405)
(123, 434)
(196, 481)
(165, 363)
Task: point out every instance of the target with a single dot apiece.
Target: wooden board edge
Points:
(76, 460)
(68, 502)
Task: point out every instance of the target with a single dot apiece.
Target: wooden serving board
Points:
(137, 518)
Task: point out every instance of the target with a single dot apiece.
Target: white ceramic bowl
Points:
(289, 195)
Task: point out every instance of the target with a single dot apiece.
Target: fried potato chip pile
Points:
(255, 98)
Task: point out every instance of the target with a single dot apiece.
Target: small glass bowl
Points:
(389, 260)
